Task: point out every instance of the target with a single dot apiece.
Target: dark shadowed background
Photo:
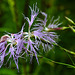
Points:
(11, 20)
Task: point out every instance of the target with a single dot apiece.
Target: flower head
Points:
(16, 45)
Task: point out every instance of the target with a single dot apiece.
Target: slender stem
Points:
(59, 28)
(71, 52)
(49, 60)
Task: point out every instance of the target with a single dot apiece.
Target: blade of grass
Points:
(50, 60)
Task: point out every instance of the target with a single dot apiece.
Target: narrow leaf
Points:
(70, 20)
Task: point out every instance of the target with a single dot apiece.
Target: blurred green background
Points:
(11, 20)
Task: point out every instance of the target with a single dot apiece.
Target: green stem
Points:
(71, 52)
(59, 28)
(49, 60)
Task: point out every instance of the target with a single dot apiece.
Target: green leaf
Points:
(70, 20)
